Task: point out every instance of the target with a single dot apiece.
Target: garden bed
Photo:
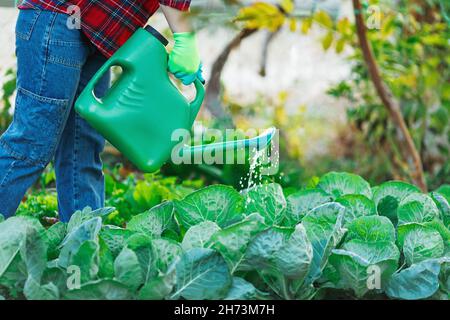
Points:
(338, 238)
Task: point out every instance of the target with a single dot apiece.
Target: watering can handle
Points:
(195, 105)
(101, 72)
(198, 101)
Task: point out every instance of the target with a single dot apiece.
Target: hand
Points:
(188, 78)
(184, 59)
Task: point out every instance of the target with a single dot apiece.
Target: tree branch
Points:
(213, 90)
(406, 142)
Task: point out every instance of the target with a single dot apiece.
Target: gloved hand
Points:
(188, 78)
(184, 59)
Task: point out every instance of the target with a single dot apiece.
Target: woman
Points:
(57, 55)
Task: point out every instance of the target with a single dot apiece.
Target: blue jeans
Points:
(54, 65)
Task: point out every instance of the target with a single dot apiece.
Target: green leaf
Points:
(419, 281)
(106, 261)
(115, 238)
(22, 251)
(153, 222)
(388, 196)
(241, 290)
(232, 242)
(127, 269)
(324, 229)
(299, 203)
(34, 291)
(371, 229)
(142, 246)
(87, 230)
(268, 200)
(359, 260)
(294, 257)
(261, 250)
(86, 258)
(199, 235)
(356, 206)
(55, 235)
(202, 274)
(422, 243)
(445, 191)
(158, 288)
(417, 207)
(100, 290)
(56, 276)
(220, 204)
(166, 253)
(79, 217)
(444, 207)
(338, 184)
(282, 258)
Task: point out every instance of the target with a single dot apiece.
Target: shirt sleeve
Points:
(182, 5)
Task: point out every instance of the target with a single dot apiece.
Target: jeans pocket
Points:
(25, 23)
(67, 46)
(38, 122)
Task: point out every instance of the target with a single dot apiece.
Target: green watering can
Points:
(143, 107)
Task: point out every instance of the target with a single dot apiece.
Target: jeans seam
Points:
(10, 169)
(21, 157)
(65, 62)
(75, 167)
(66, 105)
(27, 36)
(46, 50)
(62, 43)
(40, 98)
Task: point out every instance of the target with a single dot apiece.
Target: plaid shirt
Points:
(108, 23)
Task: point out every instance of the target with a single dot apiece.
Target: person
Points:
(55, 61)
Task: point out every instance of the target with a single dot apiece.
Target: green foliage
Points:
(134, 196)
(41, 205)
(411, 48)
(8, 89)
(210, 245)
(129, 197)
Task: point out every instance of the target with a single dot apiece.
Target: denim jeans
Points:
(54, 65)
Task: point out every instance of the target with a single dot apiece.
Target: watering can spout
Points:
(257, 143)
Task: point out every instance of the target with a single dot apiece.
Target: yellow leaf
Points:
(280, 116)
(343, 26)
(340, 44)
(306, 25)
(327, 41)
(324, 19)
(261, 15)
(387, 28)
(287, 5)
(293, 25)
(282, 96)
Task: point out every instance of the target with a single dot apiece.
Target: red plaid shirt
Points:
(108, 23)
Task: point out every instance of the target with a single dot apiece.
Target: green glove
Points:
(184, 57)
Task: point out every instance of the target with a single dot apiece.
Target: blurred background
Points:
(297, 65)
